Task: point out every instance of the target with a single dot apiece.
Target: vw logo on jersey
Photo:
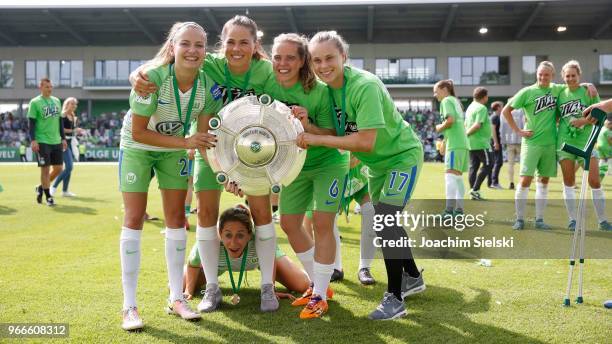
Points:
(172, 128)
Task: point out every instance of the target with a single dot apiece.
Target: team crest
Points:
(172, 128)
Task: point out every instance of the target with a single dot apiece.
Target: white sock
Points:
(599, 202)
(520, 201)
(265, 245)
(322, 275)
(541, 196)
(368, 250)
(208, 248)
(460, 191)
(307, 260)
(451, 191)
(176, 243)
(569, 195)
(129, 251)
(338, 259)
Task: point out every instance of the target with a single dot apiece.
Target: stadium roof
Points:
(31, 23)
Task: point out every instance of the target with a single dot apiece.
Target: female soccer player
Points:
(538, 150)
(456, 158)
(153, 138)
(323, 178)
(241, 68)
(69, 121)
(575, 129)
(379, 137)
(238, 254)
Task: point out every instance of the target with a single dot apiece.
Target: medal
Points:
(235, 298)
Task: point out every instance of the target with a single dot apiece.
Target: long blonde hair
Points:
(333, 36)
(67, 102)
(307, 75)
(164, 55)
(571, 64)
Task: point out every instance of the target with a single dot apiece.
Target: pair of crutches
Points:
(580, 231)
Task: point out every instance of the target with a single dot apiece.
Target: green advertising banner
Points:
(9, 154)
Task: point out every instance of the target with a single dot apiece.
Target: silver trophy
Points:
(256, 145)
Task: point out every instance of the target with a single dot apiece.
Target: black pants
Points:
(498, 162)
(477, 157)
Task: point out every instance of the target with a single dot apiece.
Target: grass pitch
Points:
(61, 265)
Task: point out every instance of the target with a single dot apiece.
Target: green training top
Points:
(370, 106)
(540, 106)
(161, 107)
(481, 138)
(455, 135)
(603, 145)
(570, 105)
(319, 108)
(46, 112)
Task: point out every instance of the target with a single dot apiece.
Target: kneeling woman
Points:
(238, 253)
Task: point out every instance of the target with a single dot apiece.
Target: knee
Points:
(134, 221)
(207, 215)
(261, 215)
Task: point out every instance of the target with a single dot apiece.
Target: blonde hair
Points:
(164, 55)
(67, 101)
(571, 64)
(249, 24)
(547, 64)
(332, 36)
(306, 74)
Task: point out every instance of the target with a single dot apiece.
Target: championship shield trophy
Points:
(256, 145)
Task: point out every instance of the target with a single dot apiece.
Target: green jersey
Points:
(252, 260)
(603, 143)
(46, 112)
(370, 106)
(455, 135)
(247, 84)
(477, 113)
(319, 108)
(161, 108)
(570, 105)
(539, 105)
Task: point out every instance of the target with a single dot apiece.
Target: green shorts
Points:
(194, 258)
(542, 159)
(563, 155)
(322, 186)
(204, 178)
(357, 196)
(135, 166)
(457, 159)
(395, 184)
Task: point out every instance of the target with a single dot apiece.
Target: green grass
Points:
(61, 264)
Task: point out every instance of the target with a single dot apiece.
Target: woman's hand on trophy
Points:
(234, 188)
(302, 115)
(201, 141)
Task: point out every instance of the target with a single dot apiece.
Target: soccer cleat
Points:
(39, 193)
(446, 214)
(181, 308)
(605, 226)
(519, 225)
(540, 224)
(131, 319)
(315, 308)
(212, 298)
(52, 190)
(337, 275)
(497, 186)
(305, 298)
(365, 277)
(68, 194)
(412, 285)
(458, 212)
(390, 308)
(571, 225)
(50, 201)
(476, 196)
(269, 301)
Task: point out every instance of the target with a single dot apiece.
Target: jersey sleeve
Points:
(33, 110)
(519, 99)
(369, 111)
(481, 115)
(146, 106)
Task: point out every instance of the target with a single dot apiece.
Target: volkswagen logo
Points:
(169, 128)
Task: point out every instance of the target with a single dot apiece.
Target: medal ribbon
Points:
(242, 266)
(340, 123)
(228, 77)
(177, 100)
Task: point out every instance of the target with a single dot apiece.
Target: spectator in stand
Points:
(512, 141)
(498, 156)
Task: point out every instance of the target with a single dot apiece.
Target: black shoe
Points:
(50, 201)
(511, 186)
(365, 277)
(39, 194)
(337, 275)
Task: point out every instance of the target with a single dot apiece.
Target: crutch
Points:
(585, 153)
